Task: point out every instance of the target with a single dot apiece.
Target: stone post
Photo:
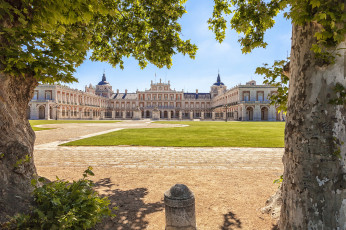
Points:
(213, 116)
(202, 115)
(137, 114)
(180, 208)
(155, 114)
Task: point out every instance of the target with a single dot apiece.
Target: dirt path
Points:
(230, 184)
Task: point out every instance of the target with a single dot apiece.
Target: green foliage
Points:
(275, 76)
(340, 91)
(279, 180)
(21, 161)
(49, 39)
(2, 155)
(64, 205)
(252, 18)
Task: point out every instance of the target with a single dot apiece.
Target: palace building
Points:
(247, 102)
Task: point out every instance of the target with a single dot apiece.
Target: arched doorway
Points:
(147, 114)
(41, 112)
(264, 114)
(172, 114)
(249, 113)
(165, 114)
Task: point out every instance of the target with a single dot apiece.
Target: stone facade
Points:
(242, 102)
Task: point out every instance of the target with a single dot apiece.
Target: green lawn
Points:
(33, 123)
(197, 134)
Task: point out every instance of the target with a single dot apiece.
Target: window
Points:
(48, 95)
(35, 95)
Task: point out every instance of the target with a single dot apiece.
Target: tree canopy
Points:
(252, 18)
(48, 39)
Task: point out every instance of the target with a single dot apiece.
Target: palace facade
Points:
(247, 102)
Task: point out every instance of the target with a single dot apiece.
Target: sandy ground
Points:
(230, 184)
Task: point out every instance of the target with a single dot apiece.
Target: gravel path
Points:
(230, 184)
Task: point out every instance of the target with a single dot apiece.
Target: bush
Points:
(64, 205)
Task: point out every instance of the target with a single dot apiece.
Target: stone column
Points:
(180, 115)
(113, 114)
(47, 112)
(180, 208)
(224, 114)
(243, 113)
(213, 116)
(169, 115)
(202, 115)
(191, 115)
(124, 114)
(235, 115)
(91, 114)
(257, 113)
(272, 113)
(102, 115)
(81, 114)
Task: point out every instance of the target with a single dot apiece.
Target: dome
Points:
(104, 81)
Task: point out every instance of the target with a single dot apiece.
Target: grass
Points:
(33, 123)
(197, 134)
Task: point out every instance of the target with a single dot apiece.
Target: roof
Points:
(104, 81)
(129, 96)
(218, 81)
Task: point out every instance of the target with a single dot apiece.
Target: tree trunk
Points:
(16, 144)
(314, 194)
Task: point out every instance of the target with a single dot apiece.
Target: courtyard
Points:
(230, 184)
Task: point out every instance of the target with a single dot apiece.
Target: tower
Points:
(218, 87)
(103, 88)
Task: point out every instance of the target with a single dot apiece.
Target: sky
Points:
(188, 74)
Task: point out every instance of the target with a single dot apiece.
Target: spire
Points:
(104, 77)
(218, 80)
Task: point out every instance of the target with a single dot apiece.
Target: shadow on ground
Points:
(230, 222)
(131, 207)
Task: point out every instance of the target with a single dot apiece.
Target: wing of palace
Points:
(242, 102)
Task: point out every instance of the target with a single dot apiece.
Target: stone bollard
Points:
(180, 208)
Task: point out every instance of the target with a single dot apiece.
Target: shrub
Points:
(64, 205)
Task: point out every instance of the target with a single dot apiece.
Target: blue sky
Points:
(200, 73)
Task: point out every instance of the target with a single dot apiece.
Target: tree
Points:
(314, 181)
(44, 41)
